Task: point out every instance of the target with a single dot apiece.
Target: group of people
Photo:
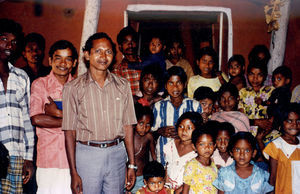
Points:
(150, 124)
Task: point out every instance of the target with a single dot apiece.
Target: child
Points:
(221, 156)
(208, 75)
(167, 111)
(143, 142)
(236, 70)
(150, 84)
(243, 176)
(154, 179)
(206, 97)
(228, 101)
(201, 171)
(257, 113)
(179, 151)
(284, 152)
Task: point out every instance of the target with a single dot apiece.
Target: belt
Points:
(102, 145)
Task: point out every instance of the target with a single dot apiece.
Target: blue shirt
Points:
(16, 131)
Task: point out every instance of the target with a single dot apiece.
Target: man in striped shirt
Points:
(16, 131)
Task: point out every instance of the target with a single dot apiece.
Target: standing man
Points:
(97, 118)
(129, 67)
(53, 174)
(16, 131)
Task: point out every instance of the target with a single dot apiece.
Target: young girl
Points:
(284, 152)
(154, 179)
(208, 75)
(179, 151)
(200, 172)
(236, 70)
(242, 176)
(221, 156)
(143, 142)
(150, 85)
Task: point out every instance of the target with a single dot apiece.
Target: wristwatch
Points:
(132, 166)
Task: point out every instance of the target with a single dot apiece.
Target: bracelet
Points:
(132, 166)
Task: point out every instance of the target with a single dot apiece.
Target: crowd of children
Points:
(235, 133)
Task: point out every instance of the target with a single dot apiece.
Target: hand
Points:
(76, 183)
(130, 178)
(51, 109)
(27, 171)
(258, 100)
(265, 124)
(204, 117)
(168, 131)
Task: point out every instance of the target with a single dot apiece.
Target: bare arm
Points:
(186, 188)
(70, 142)
(43, 120)
(273, 167)
(152, 146)
(130, 179)
(220, 192)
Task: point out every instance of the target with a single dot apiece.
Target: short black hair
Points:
(253, 55)
(208, 128)
(242, 135)
(210, 52)
(194, 117)
(283, 113)
(238, 58)
(285, 72)
(258, 64)
(10, 26)
(204, 92)
(228, 87)
(225, 126)
(176, 70)
(63, 44)
(153, 169)
(35, 37)
(128, 30)
(140, 111)
(155, 70)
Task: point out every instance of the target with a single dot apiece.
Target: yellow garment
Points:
(199, 177)
(184, 64)
(284, 153)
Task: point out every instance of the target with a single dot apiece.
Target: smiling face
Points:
(143, 126)
(185, 130)
(101, 55)
(256, 78)
(222, 140)
(175, 86)
(205, 146)
(62, 62)
(291, 126)
(155, 184)
(235, 69)
(155, 46)
(149, 84)
(8, 46)
(228, 102)
(206, 65)
(242, 153)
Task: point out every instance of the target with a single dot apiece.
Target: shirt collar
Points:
(52, 77)
(89, 79)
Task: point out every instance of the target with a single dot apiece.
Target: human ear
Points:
(194, 148)
(254, 153)
(50, 61)
(86, 55)
(74, 63)
(287, 81)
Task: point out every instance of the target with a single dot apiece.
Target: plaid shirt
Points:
(132, 75)
(16, 131)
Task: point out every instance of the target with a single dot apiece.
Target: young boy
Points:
(236, 70)
(206, 97)
(53, 174)
(16, 131)
(154, 179)
(143, 142)
(167, 111)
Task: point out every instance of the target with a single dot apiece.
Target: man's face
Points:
(128, 46)
(8, 45)
(101, 55)
(62, 62)
(32, 53)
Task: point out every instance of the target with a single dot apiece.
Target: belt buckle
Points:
(103, 145)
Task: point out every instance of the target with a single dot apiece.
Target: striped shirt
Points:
(97, 114)
(16, 131)
(165, 114)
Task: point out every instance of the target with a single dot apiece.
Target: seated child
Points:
(167, 111)
(284, 152)
(179, 151)
(143, 142)
(154, 179)
(228, 97)
(243, 176)
(201, 171)
(206, 97)
(221, 156)
(150, 85)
